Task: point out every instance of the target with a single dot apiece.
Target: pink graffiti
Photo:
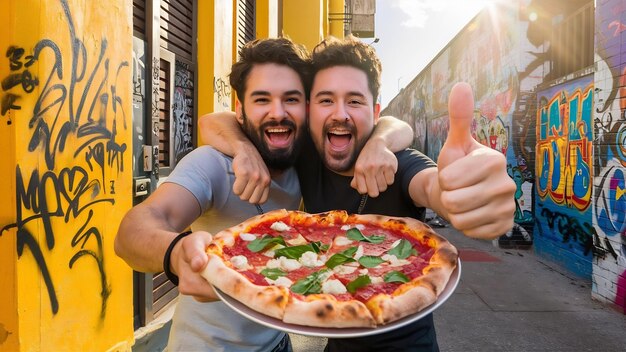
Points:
(619, 27)
(620, 296)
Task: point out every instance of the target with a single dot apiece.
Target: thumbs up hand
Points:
(477, 194)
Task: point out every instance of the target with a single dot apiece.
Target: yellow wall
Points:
(335, 27)
(303, 21)
(206, 15)
(67, 157)
(267, 19)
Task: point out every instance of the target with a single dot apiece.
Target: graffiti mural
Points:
(183, 110)
(70, 98)
(221, 92)
(564, 173)
(437, 134)
(609, 199)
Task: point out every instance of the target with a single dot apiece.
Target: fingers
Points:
(252, 179)
(479, 201)
(473, 169)
(189, 262)
(372, 184)
(194, 250)
(374, 171)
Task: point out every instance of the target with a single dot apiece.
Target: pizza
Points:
(331, 269)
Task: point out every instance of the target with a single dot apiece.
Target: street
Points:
(512, 300)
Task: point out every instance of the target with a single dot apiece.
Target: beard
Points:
(345, 163)
(277, 159)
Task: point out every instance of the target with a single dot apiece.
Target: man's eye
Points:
(261, 100)
(355, 102)
(325, 101)
(293, 100)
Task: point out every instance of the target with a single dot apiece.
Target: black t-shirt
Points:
(325, 190)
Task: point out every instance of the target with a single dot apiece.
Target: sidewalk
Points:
(511, 300)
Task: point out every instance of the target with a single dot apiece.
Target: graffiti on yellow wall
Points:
(68, 99)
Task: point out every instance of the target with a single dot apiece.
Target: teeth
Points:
(277, 130)
(339, 132)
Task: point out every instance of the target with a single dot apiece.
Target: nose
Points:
(340, 113)
(277, 110)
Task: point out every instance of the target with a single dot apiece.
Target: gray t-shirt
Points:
(196, 326)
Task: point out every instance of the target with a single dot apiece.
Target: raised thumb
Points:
(461, 113)
(459, 142)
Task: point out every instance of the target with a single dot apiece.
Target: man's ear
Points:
(376, 113)
(239, 111)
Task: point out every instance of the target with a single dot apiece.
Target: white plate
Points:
(340, 332)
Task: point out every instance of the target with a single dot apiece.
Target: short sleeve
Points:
(410, 162)
(205, 173)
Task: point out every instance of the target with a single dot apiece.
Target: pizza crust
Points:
(269, 300)
(326, 311)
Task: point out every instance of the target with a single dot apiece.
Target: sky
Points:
(412, 32)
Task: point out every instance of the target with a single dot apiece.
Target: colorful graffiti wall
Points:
(564, 142)
(609, 147)
(497, 68)
(66, 114)
(564, 174)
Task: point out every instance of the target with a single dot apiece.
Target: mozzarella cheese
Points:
(343, 241)
(283, 263)
(359, 253)
(393, 260)
(396, 243)
(363, 271)
(247, 236)
(360, 227)
(344, 269)
(333, 287)
(376, 279)
(309, 259)
(298, 241)
(281, 281)
(279, 226)
(240, 262)
(270, 252)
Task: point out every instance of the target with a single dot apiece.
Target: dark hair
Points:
(350, 51)
(280, 51)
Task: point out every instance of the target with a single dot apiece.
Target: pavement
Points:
(512, 300)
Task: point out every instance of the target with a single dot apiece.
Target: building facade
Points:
(99, 101)
(548, 82)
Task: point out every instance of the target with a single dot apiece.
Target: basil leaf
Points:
(370, 261)
(356, 235)
(294, 252)
(310, 284)
(338, 259)
(357, 283)
(342, 257)
(273, 274)
(395, 276)
(318, 247)
(403, 250)
(260, 244)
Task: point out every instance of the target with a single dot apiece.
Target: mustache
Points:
(340, 125)
(283, 123)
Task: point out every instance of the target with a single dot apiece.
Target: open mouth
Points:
(339, 139)
(278, 137)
